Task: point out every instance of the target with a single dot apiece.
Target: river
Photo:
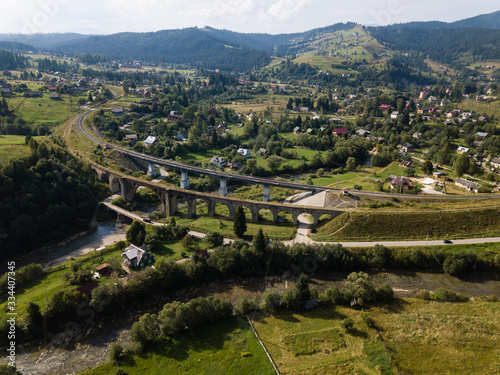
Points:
(104, 234)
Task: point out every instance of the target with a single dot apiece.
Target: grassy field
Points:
(226, 347)
(376, 225)
(313, 342)
(44, 110)
(51, 282)
(420, 338)
(221, 223)
(13, 147)
(441, 338)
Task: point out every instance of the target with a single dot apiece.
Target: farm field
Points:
(420, 337)
(13, 147)
(44, 110)
(227, 347)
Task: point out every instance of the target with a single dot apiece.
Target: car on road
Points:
(447, 241)
(146, 220)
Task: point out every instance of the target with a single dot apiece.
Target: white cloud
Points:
(284, 10)
(221, 9)
(274, 16)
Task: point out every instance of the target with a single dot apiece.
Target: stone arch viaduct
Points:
(127, 186)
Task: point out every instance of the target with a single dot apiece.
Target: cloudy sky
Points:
(269, 16)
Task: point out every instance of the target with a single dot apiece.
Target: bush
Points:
(367, 320)
(214, 238)
(379, 256)
(484, 190)
(460, 264)
(115, 352)
(385, 293)
(423, 294)
(446, 295)
(156, 215)
(245, 306)
(120, 202)
(347, 324)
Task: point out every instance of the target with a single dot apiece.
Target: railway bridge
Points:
(127, 186)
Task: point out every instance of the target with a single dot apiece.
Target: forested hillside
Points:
(44, 198)
(448, 46)
(187, 46)
(489, 21)
(9, 60)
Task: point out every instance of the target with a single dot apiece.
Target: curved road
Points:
(258, 180)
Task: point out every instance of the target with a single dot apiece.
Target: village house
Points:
(244, 152)
(362, 132)
(481, 134)
(137, 257)
(405, 163)
(408, 147)
(394, 115)
(384, 107)
(218, 161)
(150, 141)
(174, 116)
(469, 185)
(495, 162)
(417, 135)
(180, 138)
(117, 111)
(104, 270)
(297, 130)
(262, 151)
(235, 166)
(340, 131)
(213, 112)
(403, 183)
(462, 150)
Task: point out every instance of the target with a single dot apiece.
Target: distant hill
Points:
(486, 21)
(15, 46)
(42, 41)
(460, 41)
(188, 46)
(273, 43)
(445, 45)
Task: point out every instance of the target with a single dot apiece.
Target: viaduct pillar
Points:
(184, 180)
(223, 188)
(266, 193)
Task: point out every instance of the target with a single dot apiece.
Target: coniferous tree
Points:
(240, 222)
(136, 234)
(259, 241)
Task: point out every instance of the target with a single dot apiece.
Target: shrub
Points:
(367, 320)
(115, 352)
(156, 215)
(347, 324)
(484, 190)
(460, 264)
(245, 306)
(385, 293)
(423, 294)
(214, 238)
(446, 295)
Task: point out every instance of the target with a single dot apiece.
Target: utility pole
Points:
(337, 180)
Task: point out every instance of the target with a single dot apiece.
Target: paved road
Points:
(142, 216)
(260, 180)
(304, 230)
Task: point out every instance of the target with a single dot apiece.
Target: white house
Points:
(151, 140)
(244, 152)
